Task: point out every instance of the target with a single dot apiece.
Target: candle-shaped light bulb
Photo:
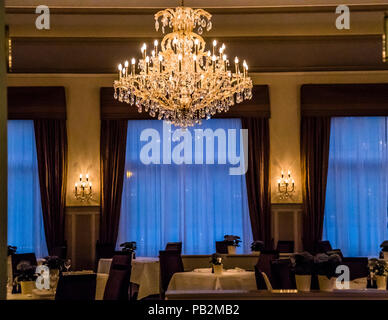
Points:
(195, 62)
(289, 173)
(144, 50)
(174, 42)
(180, 62)
(90, 186)
(279, 181)
(160, 62)
(147, 60)
(133, 61)
(120, 67)
(153, 53)
(76, 185)
(87, 177)
(236, 65)
(282, 174)
(80, 177)
(214, 63)
(214, 46)
(196, 43)
(126, 64)
(156, 42)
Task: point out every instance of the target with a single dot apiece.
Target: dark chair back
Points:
(260, 282)
(76, 287)
(323, 246)
(358, 267)
(285, 246)
(170, 263)
(221, 247)
(176, 246)
(103, 251)
(282, 275)
(264, 263)
(19, 257)
(60, 251)
(117, 284)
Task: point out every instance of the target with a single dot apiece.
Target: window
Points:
(356, 206)
(194, 203)
(25, 220)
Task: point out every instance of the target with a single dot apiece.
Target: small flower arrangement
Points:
(216, 259)
(326, 265)
(11, 250)
(378, 267)
(54, 263)
(303, 263)
(257, 245)
(26, 272)
(232, 240)
(128, 246)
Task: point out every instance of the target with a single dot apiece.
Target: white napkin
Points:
(235, 270)
(203, 270)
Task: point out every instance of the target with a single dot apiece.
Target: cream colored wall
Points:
(83, 119)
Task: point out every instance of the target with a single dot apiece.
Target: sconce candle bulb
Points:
(286, 186)
(84, 192)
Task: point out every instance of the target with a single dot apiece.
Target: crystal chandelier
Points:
(181, 81)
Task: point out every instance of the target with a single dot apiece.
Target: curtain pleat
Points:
(51, 146)
(113, 147)
(257, 178)
(315, 143)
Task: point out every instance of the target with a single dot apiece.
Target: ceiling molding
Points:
(212, 10)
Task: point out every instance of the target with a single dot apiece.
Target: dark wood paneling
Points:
(291, 53)
(344, 100)
(36, 103)
(258, 106)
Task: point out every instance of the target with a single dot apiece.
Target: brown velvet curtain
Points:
(315, 142)
(113, 147)
(257, 178)
(51, 145)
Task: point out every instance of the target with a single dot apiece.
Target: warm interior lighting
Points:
(286, 185)
(83, 189)
(181, 82)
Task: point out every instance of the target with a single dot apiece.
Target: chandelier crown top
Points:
(183, 19)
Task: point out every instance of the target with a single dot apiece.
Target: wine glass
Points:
(67, 264)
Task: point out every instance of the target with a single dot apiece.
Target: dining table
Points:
(145, 273)
(204, 279)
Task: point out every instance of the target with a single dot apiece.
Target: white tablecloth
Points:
(244, 280)
(145, 272)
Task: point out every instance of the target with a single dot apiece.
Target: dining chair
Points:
(221, 247)
(20, 257)
(358, 267)
(264, 262)
(76, 287)
(176, 246)
(285, 246)
(170, 263)
(117, 285)
(323, 246)
(103, 251)
(60, 251)
(282, 275)
(260, 281)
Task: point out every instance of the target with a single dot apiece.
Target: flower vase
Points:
(217, 269)
(303, 282)
(381, 282)
(54, 277)
(231, 250)
(27, 287)
(326, 284)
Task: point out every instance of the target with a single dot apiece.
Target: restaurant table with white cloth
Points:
(204, 279)
(146, 273)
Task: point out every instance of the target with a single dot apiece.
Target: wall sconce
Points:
(83, 189)
(286, 186)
